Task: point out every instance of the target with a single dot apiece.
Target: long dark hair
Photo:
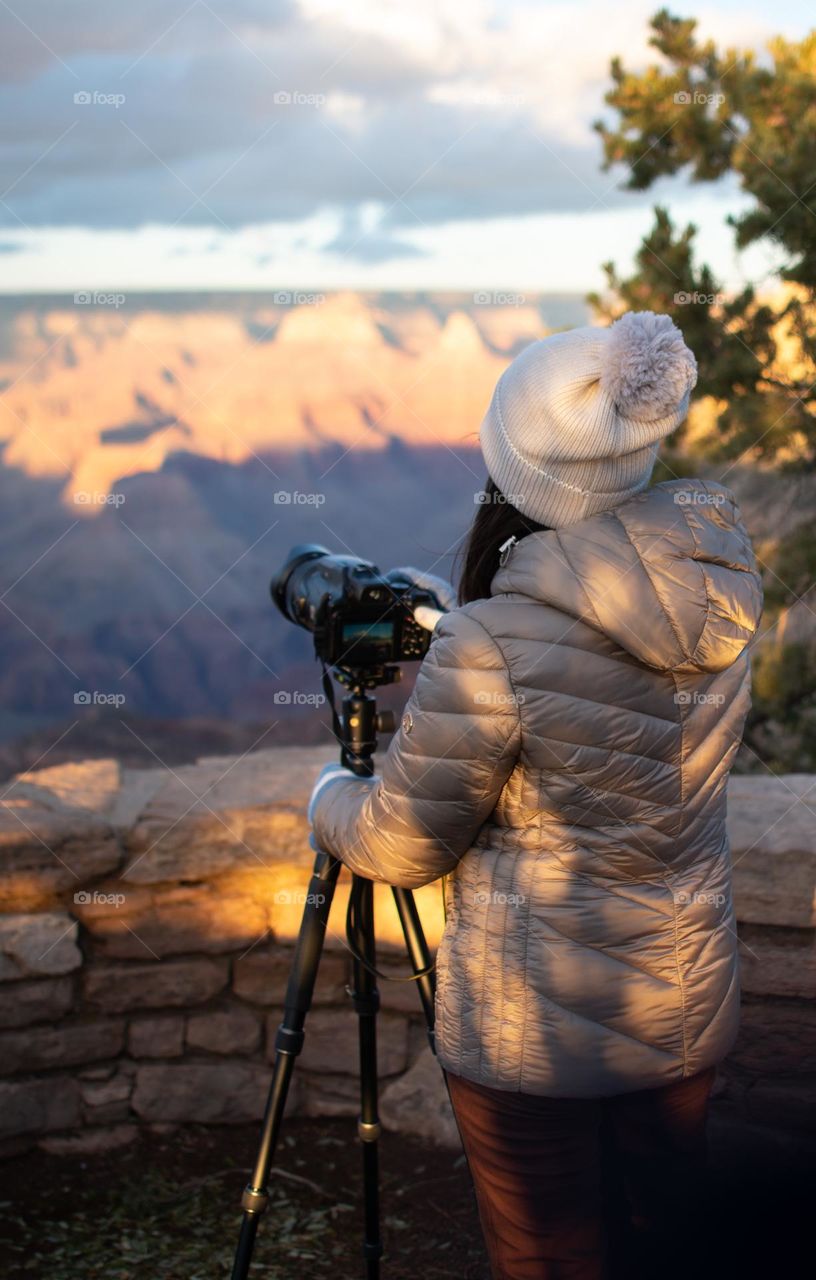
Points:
(495, 521)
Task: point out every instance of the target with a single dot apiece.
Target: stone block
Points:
(286, 894)
(50, 844)
(39, 945)
(63, 1045)
(160, 1037)
(85, 785)
(99, 1071)
(328, 1095)
(228, 1031)
(38, 1106)
(262, 976)
(772, 831)
(38, 1000)
(107, 1101)
(221, 814)
(777, 961)
(101, 787)
(134, 923)
(202, 1092)
(119, 988)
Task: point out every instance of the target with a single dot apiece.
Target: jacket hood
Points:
(669, 575)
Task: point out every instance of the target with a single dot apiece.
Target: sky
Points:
(383, 144)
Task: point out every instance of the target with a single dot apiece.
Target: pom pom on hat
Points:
(647, 368)
(575, 420)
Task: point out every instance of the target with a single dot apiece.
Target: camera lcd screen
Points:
(376, 638)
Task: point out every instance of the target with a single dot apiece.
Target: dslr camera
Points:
(362, 620)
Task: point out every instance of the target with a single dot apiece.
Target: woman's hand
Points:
(443, 591)
(328, 774)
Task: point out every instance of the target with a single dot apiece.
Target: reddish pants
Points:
(550, 1174)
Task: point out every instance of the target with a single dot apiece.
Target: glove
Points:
(329, 774)
(442, 591)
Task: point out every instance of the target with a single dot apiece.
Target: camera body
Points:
(361, 620)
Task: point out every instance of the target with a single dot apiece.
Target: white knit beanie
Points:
(576, 419)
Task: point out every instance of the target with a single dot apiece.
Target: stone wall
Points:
(146, 935)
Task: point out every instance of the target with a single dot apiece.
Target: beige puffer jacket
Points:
(564, 755)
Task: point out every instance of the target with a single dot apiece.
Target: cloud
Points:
(225, 115)
(38, 33)
(359, 241)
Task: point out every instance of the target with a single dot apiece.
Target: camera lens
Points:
(279, 588)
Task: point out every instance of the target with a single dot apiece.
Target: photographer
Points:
(563, 759)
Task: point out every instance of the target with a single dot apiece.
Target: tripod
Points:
(357, 729)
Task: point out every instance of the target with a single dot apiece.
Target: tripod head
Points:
(359, 722)
(359, 678)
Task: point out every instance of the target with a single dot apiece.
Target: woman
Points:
(563, 759)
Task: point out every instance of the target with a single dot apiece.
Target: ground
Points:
(164, 1208)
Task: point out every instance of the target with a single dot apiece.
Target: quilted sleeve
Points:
(441, 776)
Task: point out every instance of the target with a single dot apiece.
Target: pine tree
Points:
(710, 113)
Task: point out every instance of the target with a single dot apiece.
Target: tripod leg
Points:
(418, 954)
(288, 1044)
(420, 959)
(366, 999)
